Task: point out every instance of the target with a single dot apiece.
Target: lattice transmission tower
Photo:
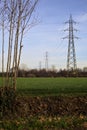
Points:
(46, 61)
(71, 56)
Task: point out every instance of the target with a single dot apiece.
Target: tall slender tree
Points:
(17, 18)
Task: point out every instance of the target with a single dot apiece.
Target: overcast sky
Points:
(47, 35)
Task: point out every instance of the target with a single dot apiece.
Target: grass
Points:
(45, 123)
(51, 86)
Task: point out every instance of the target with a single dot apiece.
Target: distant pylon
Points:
(46, 61)
(40, 65)
(71, 57)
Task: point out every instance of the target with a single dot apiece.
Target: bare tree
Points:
(17, 18)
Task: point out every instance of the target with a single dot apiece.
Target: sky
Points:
(47, 34)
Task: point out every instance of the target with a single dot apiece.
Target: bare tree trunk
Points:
(3, 51)
(9, 52)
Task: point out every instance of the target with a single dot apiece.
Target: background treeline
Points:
(50, 73)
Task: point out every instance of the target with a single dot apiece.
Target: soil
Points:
(51, 106)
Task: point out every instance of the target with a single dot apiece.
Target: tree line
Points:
(50, 73)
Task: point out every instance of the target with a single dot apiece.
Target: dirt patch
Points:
(51, 106)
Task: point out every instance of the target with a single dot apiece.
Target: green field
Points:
(51, 86)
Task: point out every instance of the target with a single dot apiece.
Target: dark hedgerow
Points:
(7, 101)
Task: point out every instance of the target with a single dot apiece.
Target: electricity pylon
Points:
(46, 61)
(71, 57)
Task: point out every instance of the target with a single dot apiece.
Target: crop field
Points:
(51, 86)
